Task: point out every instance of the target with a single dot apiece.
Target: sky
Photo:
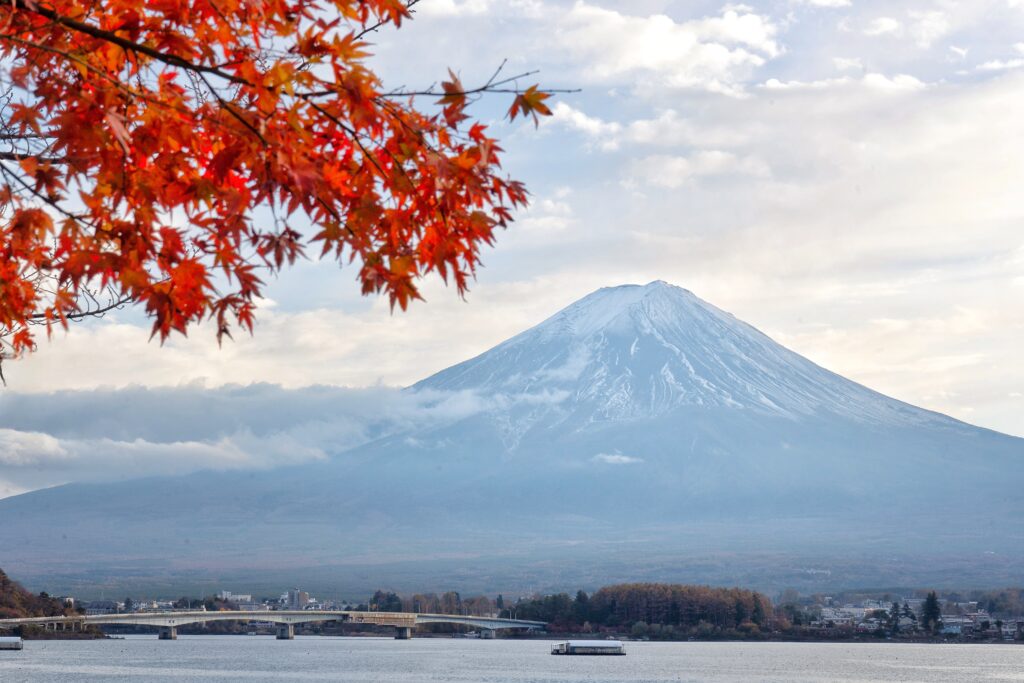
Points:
(845, 175)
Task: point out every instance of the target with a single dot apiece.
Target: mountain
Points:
(640, 433)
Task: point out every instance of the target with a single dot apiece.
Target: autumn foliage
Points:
(177, 152)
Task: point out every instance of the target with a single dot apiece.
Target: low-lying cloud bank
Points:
(111, 434)
(115, 434)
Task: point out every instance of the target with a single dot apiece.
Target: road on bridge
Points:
(169, 621)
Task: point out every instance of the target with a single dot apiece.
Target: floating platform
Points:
(589, 647)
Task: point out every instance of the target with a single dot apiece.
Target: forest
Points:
(655, 610)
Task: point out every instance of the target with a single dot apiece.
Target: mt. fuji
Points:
(640, 433)
(643, 351)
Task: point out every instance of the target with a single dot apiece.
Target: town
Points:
(905, 618)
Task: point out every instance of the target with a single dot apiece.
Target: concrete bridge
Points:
(168, 622)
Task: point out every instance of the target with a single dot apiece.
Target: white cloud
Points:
(846, 63)
(897, 82)
(827, 3)
(616, 459)
(713, 53)
(1000, 65)
(452, 8)
(874, 81)
(927, 27)
(18, 449)
(606, 134)
(883, 26)
(674, 171)
(668, 129)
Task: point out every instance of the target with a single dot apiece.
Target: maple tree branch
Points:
(86, 65)
(121, 301)
(47, 200)
(352, 134)
(124, 43)
(371, 29)
(21, 156)
(231, 110)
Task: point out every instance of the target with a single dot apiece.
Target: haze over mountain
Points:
(639, 433)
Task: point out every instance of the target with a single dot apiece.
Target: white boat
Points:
(11, 643)
(589, 647)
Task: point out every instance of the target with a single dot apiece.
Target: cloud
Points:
(881, 26)
(115, 434)
(875, 81)
(616, 459)
(668, 129)
(18, 449)
(844, 63)
(827, 3)
(713, 53)
(662, 170)
(453, 8)
(928, 27)
(1001, 65)
(604, 133)
(111, 434)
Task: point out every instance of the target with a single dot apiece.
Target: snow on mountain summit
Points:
(636, 351)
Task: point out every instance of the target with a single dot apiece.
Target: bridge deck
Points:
(174, 619)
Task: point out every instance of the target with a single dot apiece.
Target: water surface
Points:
(262, 658)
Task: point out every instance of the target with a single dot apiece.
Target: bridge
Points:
(168, 622)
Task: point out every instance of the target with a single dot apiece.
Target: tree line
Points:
(652, 609)
(646, 609)
(449, 602)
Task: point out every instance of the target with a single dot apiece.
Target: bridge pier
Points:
(403, 633)
(286, 631)
(168, 633)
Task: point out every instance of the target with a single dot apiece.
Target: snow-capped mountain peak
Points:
(636, 351)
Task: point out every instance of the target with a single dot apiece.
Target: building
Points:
(297, 599)
(236, 598)
(97, 607)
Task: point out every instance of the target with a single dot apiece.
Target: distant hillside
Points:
(17, 603)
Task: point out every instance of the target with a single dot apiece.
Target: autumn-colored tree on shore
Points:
(173, 153)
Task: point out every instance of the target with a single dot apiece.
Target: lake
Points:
(263, 658)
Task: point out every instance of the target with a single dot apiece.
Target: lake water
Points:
(262, 658)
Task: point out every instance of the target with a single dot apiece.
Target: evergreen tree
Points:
(500, 602)
(758, 614)
(931, 613)
(894, 618)
(581, 607)
(741, 612)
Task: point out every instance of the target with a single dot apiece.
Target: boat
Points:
(589, 647)
(11, 643)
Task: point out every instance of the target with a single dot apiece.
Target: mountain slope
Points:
(640, 430)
